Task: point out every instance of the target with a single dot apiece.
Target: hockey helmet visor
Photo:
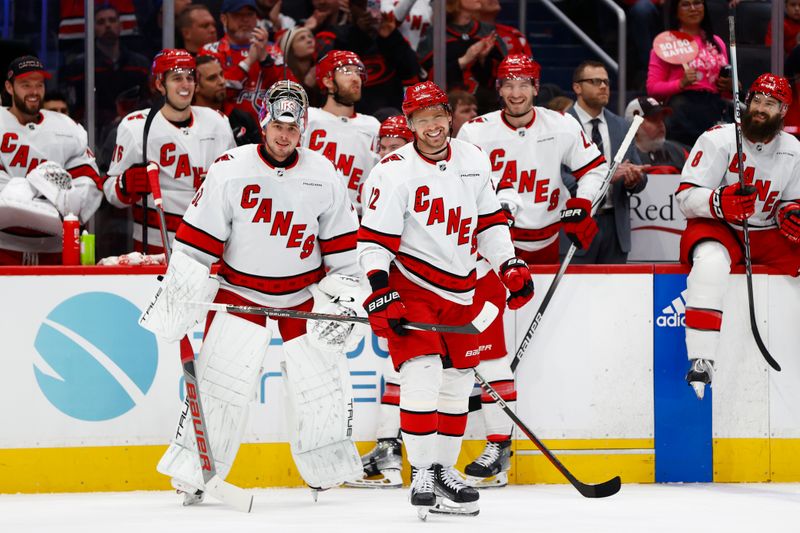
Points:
(286, 101)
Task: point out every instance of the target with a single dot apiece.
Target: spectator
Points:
(117, 69)
(464, 107)
(197, 27)
(153, 29)
(663, 156)
(55, 101)
(791, 27)
(210, 92)
(605, 129)
(693, 93)
(562, 104)
(272, 20)
(516, 43)
(414, 17)
(251, 65)
(299, 54)
(323, 21)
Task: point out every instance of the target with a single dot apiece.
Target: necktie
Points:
(597, 139)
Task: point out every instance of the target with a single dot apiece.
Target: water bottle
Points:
(71, 254)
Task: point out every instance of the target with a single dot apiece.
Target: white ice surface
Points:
(729, 508)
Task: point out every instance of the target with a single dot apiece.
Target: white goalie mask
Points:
(286, 101)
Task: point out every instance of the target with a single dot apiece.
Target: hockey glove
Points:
(731, 203)
(516, 276)
(386, 312)
(789, 222)
(579, 225)
(133, 183)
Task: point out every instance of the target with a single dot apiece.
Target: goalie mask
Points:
(286, 101)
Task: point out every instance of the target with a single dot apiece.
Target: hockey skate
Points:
(490, 470)
(453, 496)
(191, 495)
(700, 374)
(422, 494)
(381, 466)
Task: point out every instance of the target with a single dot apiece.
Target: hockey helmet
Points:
(336, 59)
(396, 126)
(176, 59)
(422, 95)
(518, 66)
(772, 85)
(286, 101)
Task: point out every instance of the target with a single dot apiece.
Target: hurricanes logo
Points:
(673, 315)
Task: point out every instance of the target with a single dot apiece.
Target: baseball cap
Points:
(232, 6)
(25, 65)
(645, 106)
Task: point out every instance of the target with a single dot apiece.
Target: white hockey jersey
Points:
(348, 142)
(277, 230)
(773, 168)
(413, 16)
(54, 137)
(432, 218)
(183, 156)
(528, 160)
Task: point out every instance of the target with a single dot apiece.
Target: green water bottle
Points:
(87, 248)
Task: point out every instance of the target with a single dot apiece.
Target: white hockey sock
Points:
(420, 382)
(705, 291)
(498, 373)
(453, 410)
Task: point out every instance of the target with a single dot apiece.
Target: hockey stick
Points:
(748, 263)
(477, 325)
(215, 486)
(151, 115)
(537, 318)
(601, 490)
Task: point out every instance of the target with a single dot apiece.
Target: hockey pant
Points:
(705, 291)
(433, 410)
(319, 413)
(228, 368)
(497, 423)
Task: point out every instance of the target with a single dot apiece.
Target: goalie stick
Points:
(215, 486)
(537, 318)
(601, 490)
(477, 325)
(748, 263)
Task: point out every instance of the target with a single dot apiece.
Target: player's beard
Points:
(20, 104)
(651, 145)
(763, 131)
(348, 99)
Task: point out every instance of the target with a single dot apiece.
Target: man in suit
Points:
(613, 241)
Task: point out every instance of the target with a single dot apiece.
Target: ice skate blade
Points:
(391, 480)
(447, 507)
(492, 482)
(699, 388)
(422, 512)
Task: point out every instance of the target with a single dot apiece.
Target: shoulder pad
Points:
(392, 157)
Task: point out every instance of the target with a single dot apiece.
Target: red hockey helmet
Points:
(422, 95)
(775, 86)
(396, 126)
(518, 66)
(336, 59)
(172, 59)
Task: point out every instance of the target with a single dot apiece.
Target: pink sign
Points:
(675, 47)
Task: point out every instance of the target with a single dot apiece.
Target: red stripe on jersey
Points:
(275, 286)
(505, 388)
(340, 243)
(387, 240)
(703, 319)
(89, 172)
(532, 235)
(199, 239)
(505, 184)
(417, 423)
(452, 425)
(498, 218)
(437, 277)
(391, 395)
(685, 186)
(173, 221)
(586, 168)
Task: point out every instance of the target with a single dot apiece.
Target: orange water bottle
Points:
(71, 254)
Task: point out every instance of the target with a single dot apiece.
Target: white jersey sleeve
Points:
(703, 172)
(382, 222)
(583, 159)
(338, 230)
(127, 152)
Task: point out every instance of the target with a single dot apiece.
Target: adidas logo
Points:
(673, 315)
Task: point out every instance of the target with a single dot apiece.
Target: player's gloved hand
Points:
(386, 312)
(789, 222)
(579, 225)
(733, 203)
(133, 183)
(516, 276)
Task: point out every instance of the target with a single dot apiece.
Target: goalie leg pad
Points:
(705, 292)
(319, 412)
(228, 368)
(498, 373)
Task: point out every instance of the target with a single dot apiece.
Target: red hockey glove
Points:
(516, 276)
(579, 225)
(386, 312)
(134, 183)
(789, 222)
(732, 203)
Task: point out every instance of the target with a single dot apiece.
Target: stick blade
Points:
(763, 349)
(221, 490)
(485, 317)
(601, 490)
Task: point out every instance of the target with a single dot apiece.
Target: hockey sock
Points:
(498, 373)
(420, 381)
(705, 291)
(389, 421)
(453, 410)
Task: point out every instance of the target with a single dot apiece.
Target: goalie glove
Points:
(579, 225)
(54, 183)
(731, 203)
(789, 222)
(339, 295)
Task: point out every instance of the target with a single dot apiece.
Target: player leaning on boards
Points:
(715, 206)
(279, 221)
(34, 196)
(429, 208)
(183, 140)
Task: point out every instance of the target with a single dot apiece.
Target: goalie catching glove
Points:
(54, 183)
(516, 276)
(338, 295)
(789, 221)
(579, 225)
(732, 203)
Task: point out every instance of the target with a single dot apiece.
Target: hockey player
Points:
(527, 146)
(715, 206)
(183, 140)
(429, 208)
(345, 137)
(260, 203)
(34, 196)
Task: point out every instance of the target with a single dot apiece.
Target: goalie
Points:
(279, 222)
